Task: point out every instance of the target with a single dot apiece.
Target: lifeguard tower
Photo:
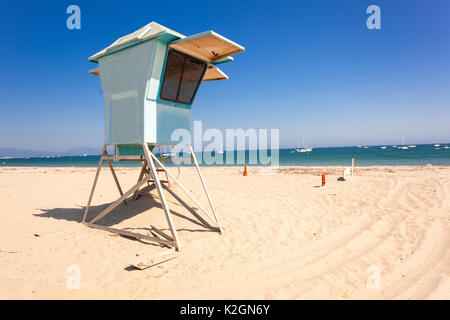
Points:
(149, 80)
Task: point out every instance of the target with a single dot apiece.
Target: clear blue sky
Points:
(310, 68)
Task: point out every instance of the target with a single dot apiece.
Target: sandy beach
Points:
(285, 236)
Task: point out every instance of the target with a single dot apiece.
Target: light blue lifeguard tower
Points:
(149, 80)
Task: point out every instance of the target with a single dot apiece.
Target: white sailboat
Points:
(304, 149)
(383, 146)
(437, 143)
(403, 147)
(411, 146)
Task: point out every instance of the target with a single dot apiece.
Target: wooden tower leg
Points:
(204, 186)
(151, 164)
(175, 180)
(160, 155)
(95, 183)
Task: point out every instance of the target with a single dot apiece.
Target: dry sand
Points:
(285, 237)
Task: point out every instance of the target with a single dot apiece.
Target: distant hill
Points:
(21, 153)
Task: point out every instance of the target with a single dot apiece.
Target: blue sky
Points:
(310, 68)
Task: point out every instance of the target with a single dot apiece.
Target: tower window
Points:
(182, 77)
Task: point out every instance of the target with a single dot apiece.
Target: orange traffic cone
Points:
(323, 179)
(245, 171)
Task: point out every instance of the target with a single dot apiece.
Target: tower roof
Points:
(147, 32)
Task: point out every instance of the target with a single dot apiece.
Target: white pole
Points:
(149, 155)
(204, 185)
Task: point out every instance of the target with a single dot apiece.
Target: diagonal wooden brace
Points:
(184, 189)
(120, 200)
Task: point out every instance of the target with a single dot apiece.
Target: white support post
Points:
(204, 186)
(183, 188)
(95, 183)
(150, 156)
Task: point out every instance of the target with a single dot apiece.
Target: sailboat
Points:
(437, 143)
(411, 146)
(403, 147)
(383, 146)
(304, 149)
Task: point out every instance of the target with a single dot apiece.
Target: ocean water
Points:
(338, 156)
